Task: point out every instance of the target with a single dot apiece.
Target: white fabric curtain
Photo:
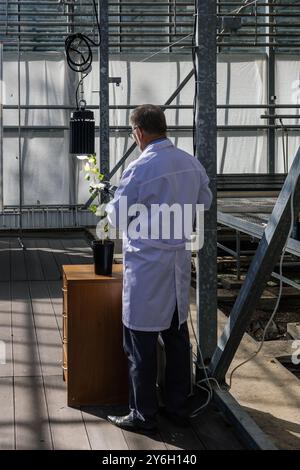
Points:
(51, 176)
(242, 80)
(287, 92)
(47, 168)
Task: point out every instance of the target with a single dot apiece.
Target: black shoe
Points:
(179, 420)
(132, 424)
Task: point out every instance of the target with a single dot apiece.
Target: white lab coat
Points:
(157, 272)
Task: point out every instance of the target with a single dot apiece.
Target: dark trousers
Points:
(141, 350)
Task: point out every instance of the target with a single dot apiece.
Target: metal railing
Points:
(46, 216)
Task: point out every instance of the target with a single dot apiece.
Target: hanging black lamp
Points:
(82, 132)
(79, 55)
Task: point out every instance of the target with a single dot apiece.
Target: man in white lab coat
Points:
(157, 266)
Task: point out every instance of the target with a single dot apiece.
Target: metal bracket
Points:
(116, 80)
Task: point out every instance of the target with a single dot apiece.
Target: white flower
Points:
(97, 185)
(100, 212)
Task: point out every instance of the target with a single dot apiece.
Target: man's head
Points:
(148, 124)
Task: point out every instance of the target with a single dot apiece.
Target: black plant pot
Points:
(296, 231)
(103, 256)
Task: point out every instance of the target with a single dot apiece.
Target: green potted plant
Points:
(103, 248)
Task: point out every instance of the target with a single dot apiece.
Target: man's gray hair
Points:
(150, 118)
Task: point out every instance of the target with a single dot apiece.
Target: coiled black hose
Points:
(79, 51)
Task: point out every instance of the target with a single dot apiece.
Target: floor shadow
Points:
(208, 430)
(285, 434)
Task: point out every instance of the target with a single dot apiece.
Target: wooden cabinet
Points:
(94, 364)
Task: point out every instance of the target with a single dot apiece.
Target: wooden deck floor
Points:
(34, 414)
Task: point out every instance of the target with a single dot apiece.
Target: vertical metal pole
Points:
(219, 10)
(74, 165)
(21, 182)
(1, 127)
(120, 27)
(271, 93)
(103, 88)
(206, 151)
(169, 36)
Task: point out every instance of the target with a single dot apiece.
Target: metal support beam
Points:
(271, 94)
(249, 433)
(173, 106)
(262, 265)
(103, 88)
(1, 127)
(20, 149)
(206, 152)
(126, 129)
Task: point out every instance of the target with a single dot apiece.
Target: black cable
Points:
(77, 88)
(78, 60)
